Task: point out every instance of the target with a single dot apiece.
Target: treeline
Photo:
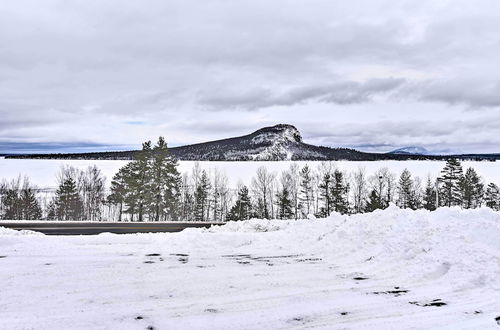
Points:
(150, 188)
(300, 192)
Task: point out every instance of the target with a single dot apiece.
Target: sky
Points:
(89, 75)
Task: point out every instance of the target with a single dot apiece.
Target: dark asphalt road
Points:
(92, 228)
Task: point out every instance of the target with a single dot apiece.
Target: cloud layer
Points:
(370, 74)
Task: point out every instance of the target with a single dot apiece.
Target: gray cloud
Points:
(473, 94)
(341, 92)
(79, 70)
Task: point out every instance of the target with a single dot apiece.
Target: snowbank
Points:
(387, 269)
(12, 232)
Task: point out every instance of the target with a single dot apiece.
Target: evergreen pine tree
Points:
(241, 208)
(405, 190)
(31, 209)
(339, 193)
(257, 209)
(132, 194)
(306, 190)
(325, 193)
(130, 186)
(51, 210)
(12, 205)
(492, 197)
(284, 203)
(450, 193)
(472, 189)
(374, 202)
(119, 190)
(139, 180)
(164, 182)
(68, 202)
(430, 196)
(201, 197)
(187, 212)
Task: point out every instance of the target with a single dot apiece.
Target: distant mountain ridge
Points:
(411, 150)
(274, 143)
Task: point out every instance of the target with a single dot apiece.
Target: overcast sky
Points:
(374, 75)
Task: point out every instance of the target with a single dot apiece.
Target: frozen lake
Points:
(43, 172)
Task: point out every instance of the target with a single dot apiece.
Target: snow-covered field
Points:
(392, 269)
(43, 172)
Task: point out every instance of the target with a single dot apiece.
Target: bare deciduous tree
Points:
(263, 187)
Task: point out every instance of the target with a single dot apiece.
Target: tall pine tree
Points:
(450, 193)
(68, 202)
(201, 197)
(472, 189)
(31, 209)
(119, 189)
(325, 193)
(164, 183)
(405, 190)
(284, 203)
(306, 190)
(430, 196)
(492, 197)
(339, 193)
(241, 208)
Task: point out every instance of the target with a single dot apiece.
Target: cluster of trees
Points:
(150, 188)
(18, 200)
(205, 195)
(79, 196)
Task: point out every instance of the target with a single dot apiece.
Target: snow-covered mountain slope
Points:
(390, 269)
(279, 142)
(413, 150)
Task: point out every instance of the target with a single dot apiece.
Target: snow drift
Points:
(387, 269)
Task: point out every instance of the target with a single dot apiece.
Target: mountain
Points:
(413, 150)
(280, 142)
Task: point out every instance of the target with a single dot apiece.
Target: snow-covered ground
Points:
(42, 172)
(392, 269)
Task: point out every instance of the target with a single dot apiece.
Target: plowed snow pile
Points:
(389, 269)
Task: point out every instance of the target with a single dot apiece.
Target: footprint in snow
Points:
(396, 292)
(360, 278)
(433, 303)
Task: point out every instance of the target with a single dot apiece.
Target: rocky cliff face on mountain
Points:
(279, 142)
